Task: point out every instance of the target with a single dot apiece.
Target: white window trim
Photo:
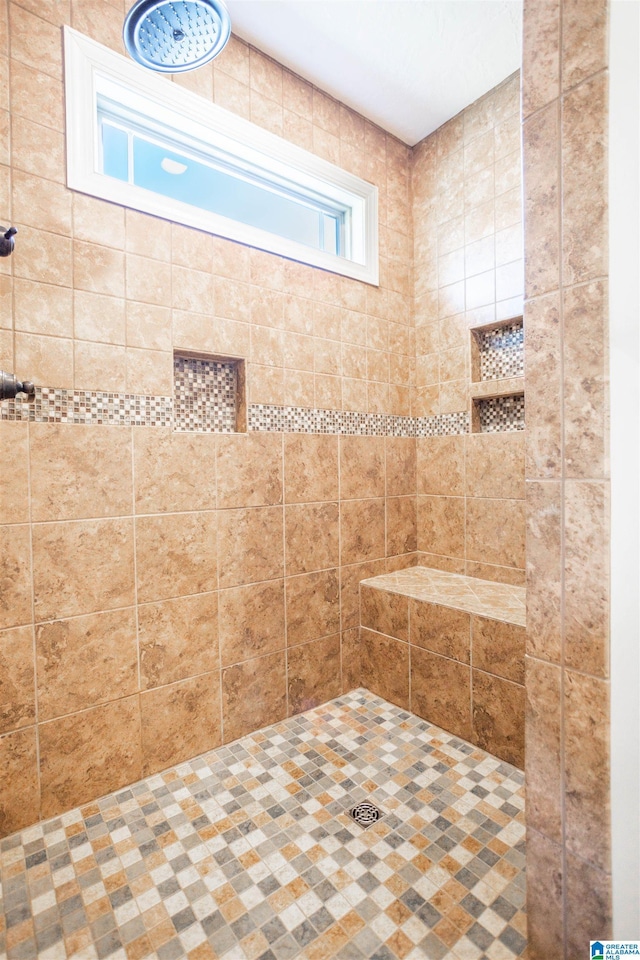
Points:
(92, 70)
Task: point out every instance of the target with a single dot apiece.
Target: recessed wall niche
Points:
(497, 377)
(209, 393)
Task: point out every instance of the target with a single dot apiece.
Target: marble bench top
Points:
(497, 601)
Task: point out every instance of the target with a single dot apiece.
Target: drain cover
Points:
(365, 813)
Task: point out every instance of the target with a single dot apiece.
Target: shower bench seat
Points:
(450, 648)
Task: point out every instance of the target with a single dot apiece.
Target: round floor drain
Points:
(365, 813)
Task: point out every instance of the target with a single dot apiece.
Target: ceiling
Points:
(408, 65)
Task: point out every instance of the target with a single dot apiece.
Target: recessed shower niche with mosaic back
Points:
(497, 377)
(209, 394)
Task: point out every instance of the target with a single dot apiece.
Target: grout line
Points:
(563, 784)
(36, 697)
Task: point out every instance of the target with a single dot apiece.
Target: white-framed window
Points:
(139, 140)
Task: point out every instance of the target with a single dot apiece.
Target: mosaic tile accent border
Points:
(501, 351)
(248, 852)
(57, 405)
(205, 394)
(265, 417)
(499, 414)
(91, 407)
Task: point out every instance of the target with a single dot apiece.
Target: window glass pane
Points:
(115, 152)
(190, 181)
(331, 227)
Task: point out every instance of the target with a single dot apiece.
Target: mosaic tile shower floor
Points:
(248, 852)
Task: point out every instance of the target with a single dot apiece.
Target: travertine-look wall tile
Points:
(498, 716)
(180, 721)
(384, 612)
(175, 555)
(98, 269)
(440, 467)
(41, 149)
(540, 54)
(584, 40)
(494, 465)
(495, 572)
(385, 667)
(97, 222)
(41, 203)
(79, 471)
(541, 208)
(311, 537)
(584, 198)
(82, 567)
(350, 577)
(401, 525)
(588, 904)
(14, 487)
(254, 694)
(252, 621)
(48, 359)
(441, 630)
(362, 467)
(36, 96)
(544, 570)
(567, 553)
(351, 659)
(495, 531)
(400, 466)
(362, 530)
(545, 904)
(313, 673)
(15, 577)
(441, 525)
(101, 363)
(173, 471)
(17, 681)
(96, 317)
(543, 375)
(35, 42)
(441, 691)
(586, 577)
(543, 734)
(312, 606)
(587, 750)
(88, 754)
(586, 380)
(240, 484)
(42, 308)
(85, 661)
(178, 639)
(19, 788)
(498, 648)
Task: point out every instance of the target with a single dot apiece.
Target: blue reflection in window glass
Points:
(115, 151)
(189, 181)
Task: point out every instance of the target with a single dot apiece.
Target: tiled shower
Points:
(173, 586)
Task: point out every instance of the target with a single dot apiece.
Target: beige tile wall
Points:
(102, 295)
(460, 671)
(156, 577)
(568, 812)
(467, 214)
(165, 592)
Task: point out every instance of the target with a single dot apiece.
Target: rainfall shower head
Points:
(173, 36)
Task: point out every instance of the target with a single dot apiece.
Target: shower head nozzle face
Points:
(173, 36)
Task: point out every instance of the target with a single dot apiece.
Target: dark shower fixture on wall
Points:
(7, 242)
(10, 387)
(173, 36)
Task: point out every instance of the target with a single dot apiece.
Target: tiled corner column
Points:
(568, 812)
(449, 648)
